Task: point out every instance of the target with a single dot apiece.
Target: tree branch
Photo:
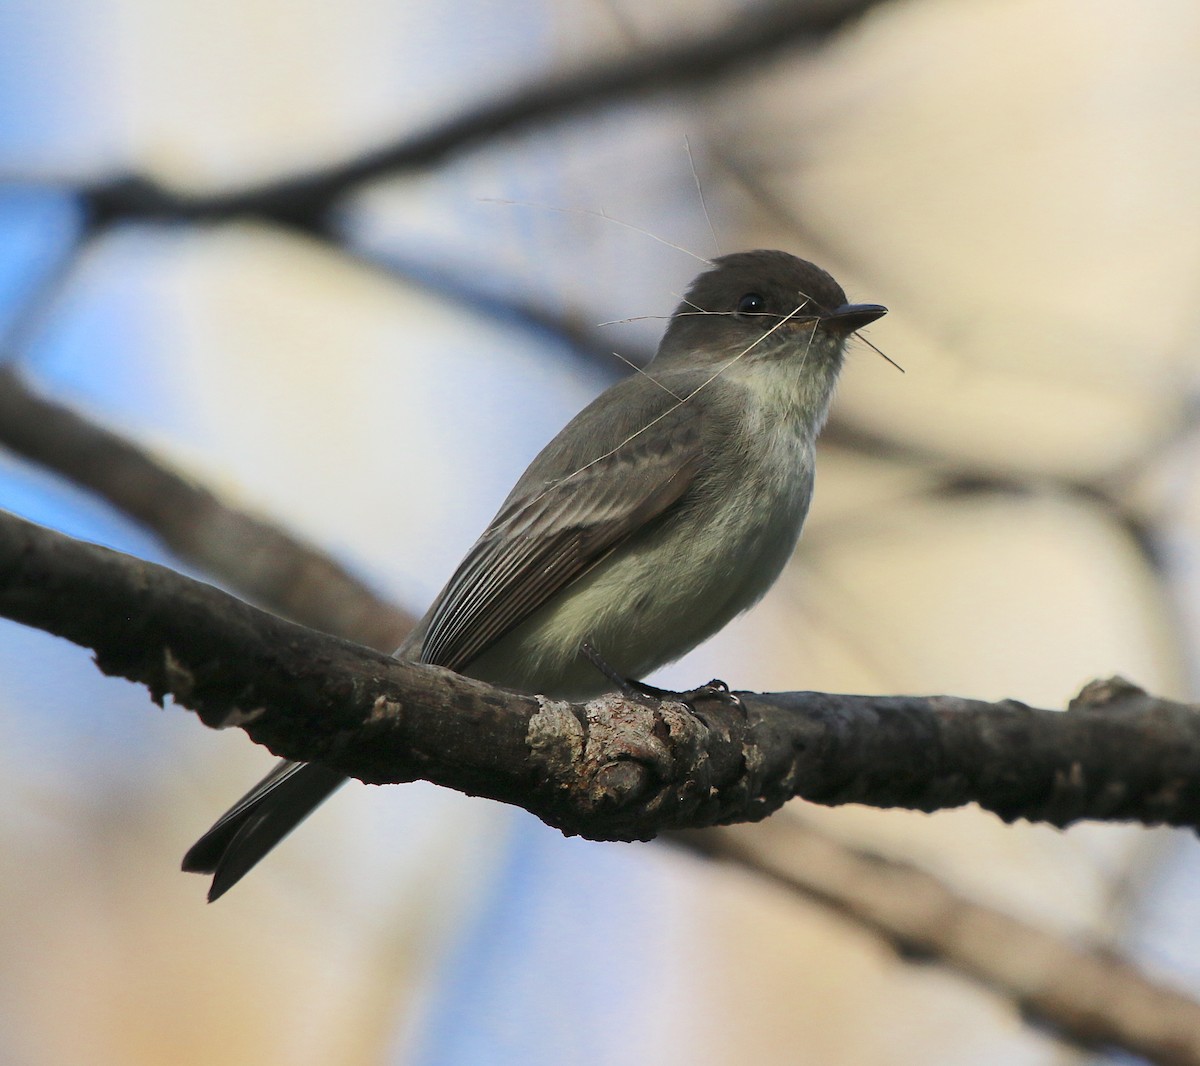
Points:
(1083, 993)
(613, 768)
(253, 556)
(303, 201)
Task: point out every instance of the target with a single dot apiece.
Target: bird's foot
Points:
(715, 689)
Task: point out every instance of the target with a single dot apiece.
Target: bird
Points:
(666, 507)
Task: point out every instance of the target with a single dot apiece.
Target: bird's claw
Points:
(715, 690)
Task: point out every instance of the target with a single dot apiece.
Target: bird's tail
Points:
(259, 821)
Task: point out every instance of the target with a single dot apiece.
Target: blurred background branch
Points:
(752, 36)
(1089, 996)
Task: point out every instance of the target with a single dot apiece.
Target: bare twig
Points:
(751, 36)
(251, 555)
(1085, 994)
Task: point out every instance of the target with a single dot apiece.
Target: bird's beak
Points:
(849, 317)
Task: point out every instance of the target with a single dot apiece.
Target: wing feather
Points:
(552, 531)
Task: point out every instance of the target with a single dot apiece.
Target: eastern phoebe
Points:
(665, 507)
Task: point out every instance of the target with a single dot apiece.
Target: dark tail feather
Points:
(259, 821)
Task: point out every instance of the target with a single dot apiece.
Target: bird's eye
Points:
(750, 304)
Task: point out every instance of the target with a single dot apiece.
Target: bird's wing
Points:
(553, 529)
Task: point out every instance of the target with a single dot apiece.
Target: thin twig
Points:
(751, 36)
(1086, 995)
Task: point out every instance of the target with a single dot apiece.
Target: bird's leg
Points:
(714, 690)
